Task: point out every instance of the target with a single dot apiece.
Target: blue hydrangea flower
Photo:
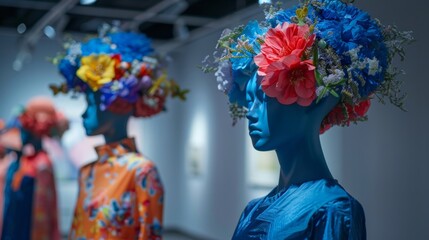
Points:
(243, 61)
(131, 45)
(68, 71)
(345, 27)
(243, 66)
(95, 46)
(282, 16)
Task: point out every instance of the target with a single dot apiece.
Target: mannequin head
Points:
(96, 122)
(40, 119)
(272, 124)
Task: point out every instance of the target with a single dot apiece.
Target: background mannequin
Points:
(30, 206)
(112, 126)
(130, 202)
(120, 195)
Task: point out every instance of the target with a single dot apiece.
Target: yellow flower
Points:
(96, 70)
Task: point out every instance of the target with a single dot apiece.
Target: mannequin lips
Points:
(253, 129)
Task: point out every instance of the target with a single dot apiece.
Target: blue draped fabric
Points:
(17, 205)
(314, 210)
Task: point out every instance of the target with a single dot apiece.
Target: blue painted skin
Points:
(292, 131)
(307, 203)
(111, 125)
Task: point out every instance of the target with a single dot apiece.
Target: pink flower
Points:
(281, 41)
(291, 80)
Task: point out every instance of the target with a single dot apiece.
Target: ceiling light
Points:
(87, 2)
(49, 32)
(264, 1)
(21, 28)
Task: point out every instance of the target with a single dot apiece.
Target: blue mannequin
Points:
(111, 125)
(307, 203)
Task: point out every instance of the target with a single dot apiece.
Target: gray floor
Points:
(176, 236)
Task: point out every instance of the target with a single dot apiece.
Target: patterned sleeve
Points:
(150, 198)
(338, 220)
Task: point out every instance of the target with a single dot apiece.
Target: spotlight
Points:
(87, 2)
(21, 28)
(49, 31)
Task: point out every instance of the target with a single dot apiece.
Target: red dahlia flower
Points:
(281, 41)
(291, 80)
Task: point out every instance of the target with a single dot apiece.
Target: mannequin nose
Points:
(252, 113)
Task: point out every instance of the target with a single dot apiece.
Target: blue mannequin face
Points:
(272, 124)
(95, 121)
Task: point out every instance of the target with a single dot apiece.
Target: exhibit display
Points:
(120, 194)
(30, 201)
(213, 119)
(295, 75)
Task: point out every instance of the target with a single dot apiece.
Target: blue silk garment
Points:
(314, 210)
(17, 206)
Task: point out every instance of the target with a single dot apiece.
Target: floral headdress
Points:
(40, 118)
(123, 68)
(307, 52)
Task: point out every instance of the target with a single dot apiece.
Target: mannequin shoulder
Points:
(136, 161)
(344, 217)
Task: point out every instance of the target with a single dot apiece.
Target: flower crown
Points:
(40, 118)
(307, 52)
(123, 68)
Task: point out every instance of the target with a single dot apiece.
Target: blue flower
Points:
(125, 88)
(95, 46)
(131, 46)
(68, 70)
(243, 61)
(282, 16)
(345, 27)
(243, 66)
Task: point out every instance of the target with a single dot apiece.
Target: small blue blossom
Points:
(95, 46)
(243, 61)
(69, 72)
(131, 46)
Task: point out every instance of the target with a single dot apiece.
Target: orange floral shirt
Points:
(120, 196)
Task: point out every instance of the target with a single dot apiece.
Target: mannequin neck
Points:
(302, 160)
(116, 132)
(29, 138)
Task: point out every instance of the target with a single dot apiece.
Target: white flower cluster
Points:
(224, 76)
(372, 64)
(74, 50)
(330, 80)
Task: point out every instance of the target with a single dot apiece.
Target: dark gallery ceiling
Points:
(170, 23)
(159, 19)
